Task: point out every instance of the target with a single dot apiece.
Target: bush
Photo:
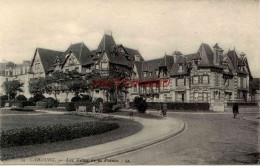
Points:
(54, 133)
(41, 104)
(21, 98)
(50, 102)
(88, 104)
(116, 107)
(3, 100)
(178, 106)
(86, 98)
(76, 99)
(70, 106)
(38, 97)
(108, 107)
(140, 104)
(137, 101)
(22, 109)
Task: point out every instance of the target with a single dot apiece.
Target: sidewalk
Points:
(154, 131)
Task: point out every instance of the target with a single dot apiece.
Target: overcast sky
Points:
(152, 27)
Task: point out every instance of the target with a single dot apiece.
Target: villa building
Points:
(206, 76)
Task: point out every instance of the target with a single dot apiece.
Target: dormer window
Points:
(196, 62)
(180, 67)
(137, 58)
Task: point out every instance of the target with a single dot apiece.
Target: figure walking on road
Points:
(235, 110)
(164, 109)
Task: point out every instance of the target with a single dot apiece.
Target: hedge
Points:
(54, 133)
(72, 106)
(177, 106)
(18, 103)
(243, 104)
(23, 109)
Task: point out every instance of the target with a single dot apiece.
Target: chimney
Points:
(108, 32)
(175, 55)
(242, 55)
(217, 52)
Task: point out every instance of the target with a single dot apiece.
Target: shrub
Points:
(86, 98)
(108, 107)
(88, 105)
(50, 102)
(3, 100)
(137, 100)
(53, 133)
(140, 104)
(76, 99)
(178, 106)
(22, 109)
(70, 106)
(41, 104)
(116, 107)
(21, 98)
(38, 97)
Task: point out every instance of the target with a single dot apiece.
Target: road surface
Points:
(209, 139)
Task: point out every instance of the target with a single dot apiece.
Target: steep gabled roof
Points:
(206, 54)
(180, 60)
(232, 55)
(133, 52)
(47, 57)
(167, 62)
(191, 57)
(106, 43)
(81, 52)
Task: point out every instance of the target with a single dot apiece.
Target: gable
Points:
(71, 60)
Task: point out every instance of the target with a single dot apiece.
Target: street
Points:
(209, 139)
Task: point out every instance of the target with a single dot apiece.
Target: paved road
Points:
(209, 139)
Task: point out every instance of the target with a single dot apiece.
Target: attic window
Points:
(137, 58)
(180, 67)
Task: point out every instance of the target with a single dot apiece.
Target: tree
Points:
(12, 87)
(37, 86)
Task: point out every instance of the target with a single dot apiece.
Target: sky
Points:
(152, 27)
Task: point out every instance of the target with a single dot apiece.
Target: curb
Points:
(129, 149)
(250, 120)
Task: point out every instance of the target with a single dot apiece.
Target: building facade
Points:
(206, 76)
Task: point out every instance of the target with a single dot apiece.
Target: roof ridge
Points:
(48, 49)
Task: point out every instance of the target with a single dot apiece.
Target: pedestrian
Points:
(100, 107)
(131, 114)
(94, 109)
(235, 110)
(164, 109)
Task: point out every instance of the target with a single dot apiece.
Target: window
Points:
(67, 70)
(238, 81)
(205, 79)
(179, 97)
(135, 88)
(195, 79)
(137, 57)
(205, 96)
(157, 72)
(77, 68)
(196, 62)
(144, 74)
(180, 67)
(226, 81)
(244, 82)
(216, 95)
(196, 96)
(74, 60)
(180, 81)
(104, 65)
(97, 66)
